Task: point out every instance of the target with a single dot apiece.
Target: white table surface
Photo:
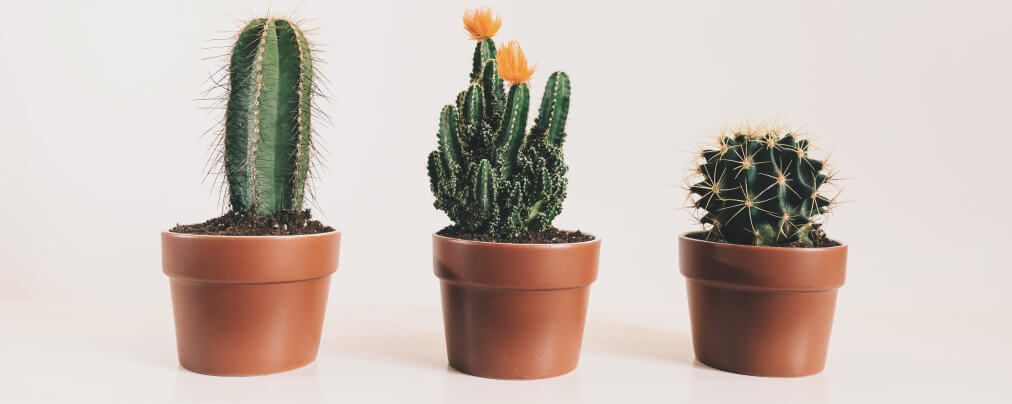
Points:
(72, 351)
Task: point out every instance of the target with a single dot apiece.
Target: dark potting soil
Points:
(819, 235)
(245, 224)
(550, 236)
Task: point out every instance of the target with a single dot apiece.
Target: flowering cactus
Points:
(488, 174)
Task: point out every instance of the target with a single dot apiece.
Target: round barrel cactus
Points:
(760, 187)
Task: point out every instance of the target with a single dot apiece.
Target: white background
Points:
(102, 150)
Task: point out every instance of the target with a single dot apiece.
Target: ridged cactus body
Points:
(488, 174)
(267, 143)
(761, 188)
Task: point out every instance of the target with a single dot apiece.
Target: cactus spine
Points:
(760, 187)
(268, 140)
(488, 174)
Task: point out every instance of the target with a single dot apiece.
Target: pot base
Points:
(499, 376)
(265, 373)
(248, 329)
(759, 333)
(514, 334)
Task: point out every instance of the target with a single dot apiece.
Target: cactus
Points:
(268, 135)
(488, 174)
(761, 187)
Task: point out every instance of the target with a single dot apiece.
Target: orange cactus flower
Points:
(482, 23)
(512, 63)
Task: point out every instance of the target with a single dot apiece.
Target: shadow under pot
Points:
(514, 311)
(761, 311)
(248, 305)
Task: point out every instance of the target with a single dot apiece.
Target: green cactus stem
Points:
(268, 140)
(551, 120)
(512, 127)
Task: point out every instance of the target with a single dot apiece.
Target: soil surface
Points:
(550, 236)
(821, 241)
(245, 224)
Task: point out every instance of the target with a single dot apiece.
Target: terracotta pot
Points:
(762, 311)
(514, 311)
(248, 305)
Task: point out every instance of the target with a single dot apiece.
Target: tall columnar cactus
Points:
(488, 174)
(760, 187)
(268, 140)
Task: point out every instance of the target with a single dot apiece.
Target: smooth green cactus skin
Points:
(267, 120)
(761, 189)
(488, 174)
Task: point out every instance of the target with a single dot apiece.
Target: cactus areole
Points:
(268, 135)
(489, 174)
(760, 187)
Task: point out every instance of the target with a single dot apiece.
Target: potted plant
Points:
(249, 288)
(514, 288)
(762, 278)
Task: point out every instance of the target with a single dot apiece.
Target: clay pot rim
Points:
(596, 239)
(490, 265)
(760, 247)
(249, 259)
(289, 236)
(762, 268)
